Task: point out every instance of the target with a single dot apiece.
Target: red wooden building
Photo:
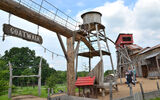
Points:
(124, 39)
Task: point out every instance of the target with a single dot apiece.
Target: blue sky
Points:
(140, 17)
(78, 5)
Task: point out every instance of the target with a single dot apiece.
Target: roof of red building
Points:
(85, 81)
(120, 35)
(134, 46)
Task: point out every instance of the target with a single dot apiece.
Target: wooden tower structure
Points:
(94, 32)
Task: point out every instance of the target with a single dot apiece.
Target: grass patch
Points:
(4, 97)
(156, 99)
(30, 91)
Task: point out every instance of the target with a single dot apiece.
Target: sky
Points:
(140, 17)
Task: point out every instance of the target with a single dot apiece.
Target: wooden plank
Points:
(93, 53)
(62, 45)
(20, 33)
(70, 67)
(96, 71)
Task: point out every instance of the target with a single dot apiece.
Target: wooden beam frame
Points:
(62, 45)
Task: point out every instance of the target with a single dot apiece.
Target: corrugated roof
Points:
(152, 55)
(134, 46)
(138, 52)
(150, 49)
(85, 81)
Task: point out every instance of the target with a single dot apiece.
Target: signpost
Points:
(14, 31)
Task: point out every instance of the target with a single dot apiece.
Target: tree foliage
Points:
(4, 76)
(25, 62)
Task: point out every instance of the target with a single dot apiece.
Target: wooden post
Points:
(52, 91)
(110, 90)
(131, 91)
(157, 85)
(10, 81)
(70, 67)
(142, 90)
(39, 78)
(79, 90)
(101, 56)
(48, 93)
(158, 67)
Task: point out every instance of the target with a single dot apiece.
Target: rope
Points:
(53, 53)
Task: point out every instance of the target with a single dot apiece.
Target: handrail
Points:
(67, 22)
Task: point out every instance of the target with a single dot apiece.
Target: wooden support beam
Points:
(70, 67)
(76, 49)
(101, 55)
(62, 45)
(110, 54)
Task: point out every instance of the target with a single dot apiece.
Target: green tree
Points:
(52, 81)
(4, 77)
(22, 59)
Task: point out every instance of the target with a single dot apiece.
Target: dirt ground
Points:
(27, 97)
(123, 90)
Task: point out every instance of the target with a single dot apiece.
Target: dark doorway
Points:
(144, 71)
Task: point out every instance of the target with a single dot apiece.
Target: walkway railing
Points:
(48, 10)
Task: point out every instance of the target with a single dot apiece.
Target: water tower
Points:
(94, 32)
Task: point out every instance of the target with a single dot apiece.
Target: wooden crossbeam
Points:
(26, 76)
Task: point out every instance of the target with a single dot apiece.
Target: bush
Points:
(51, 81)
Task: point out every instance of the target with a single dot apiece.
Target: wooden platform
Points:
(93, 53)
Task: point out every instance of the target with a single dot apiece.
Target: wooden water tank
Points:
(91, 17)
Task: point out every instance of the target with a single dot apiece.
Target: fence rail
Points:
(48, 10)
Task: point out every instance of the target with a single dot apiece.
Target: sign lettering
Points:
(14, 31)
